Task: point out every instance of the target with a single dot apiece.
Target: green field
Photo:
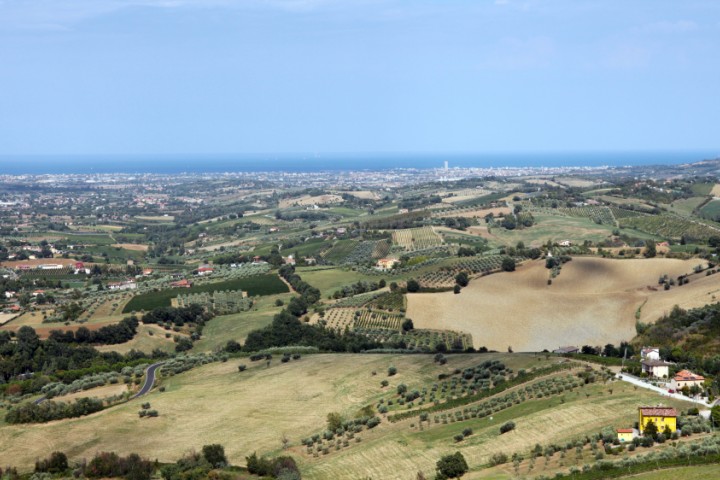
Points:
(340, 250)
(258, 285)
(330, 280)
(711, 210)
(556, 228)
(704, 472)
(686, 206)
(89, 239)
(236, 327)
(702, 188)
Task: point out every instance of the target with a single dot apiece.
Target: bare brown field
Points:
(715, 192)
(543, 181)
(363, 194)
(40, 261)
(479, 213)
(307, 200)
(131, 246)
(576, 182)
(593, 301)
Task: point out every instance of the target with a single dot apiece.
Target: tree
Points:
(451, 466)
(508, 264)
(392, 371)
(456, 289)
(462, 279)
(334, 421)
(407, 325)
(650, 249)
(413, 286)
(650, 429)
(215, 455)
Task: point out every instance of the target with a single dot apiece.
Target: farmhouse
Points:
(205, 270)
(625, 434)
(126, 285)
(685, 378)
(387, 263)
(147, 272)
(565, 243)
(181, 284)
(661, 416)
(656, 368)
(289, 260)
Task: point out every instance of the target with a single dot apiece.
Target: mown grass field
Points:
(555, 228)
(257, 285)
(252, 410)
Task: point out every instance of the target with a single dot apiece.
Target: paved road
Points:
(640, 383)
(149, 379)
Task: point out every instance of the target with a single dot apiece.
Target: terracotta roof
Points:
(625, 430)
(688, 376)
(658, 412)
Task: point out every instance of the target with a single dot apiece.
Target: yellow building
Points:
(661, 416)
(625, 434)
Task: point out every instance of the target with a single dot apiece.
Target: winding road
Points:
(149, 380)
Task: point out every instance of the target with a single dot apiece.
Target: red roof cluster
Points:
(658, 412)
(688, 376)
(625, 430)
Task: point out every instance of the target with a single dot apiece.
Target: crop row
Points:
(670, 227)
(416, 238)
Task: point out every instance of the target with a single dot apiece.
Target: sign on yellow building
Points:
(661, 416)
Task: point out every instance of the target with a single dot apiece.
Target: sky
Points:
(356, 76)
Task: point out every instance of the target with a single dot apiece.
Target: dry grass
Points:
(245, 412)
(6, 317)
(715, 192)
(106, 391)
(145, 342)
(307, 200)
(593, 301)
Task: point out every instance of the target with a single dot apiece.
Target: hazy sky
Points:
(234, 76)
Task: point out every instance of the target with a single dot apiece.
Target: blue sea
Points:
(177, 164)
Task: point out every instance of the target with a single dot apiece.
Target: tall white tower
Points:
(446, 165)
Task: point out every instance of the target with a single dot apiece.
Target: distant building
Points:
(147, 272)
(563, 350)
(685, 378)
(656, 368)
(650, 353)
(49, 266)
(181, 284)
(387, 263)
(565, 243)
(661, 416)
(126, 285)
(205, 270)
(289, 260)
(341, 231)
(310, 260)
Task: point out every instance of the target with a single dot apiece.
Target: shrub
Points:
(215, 455)
(506, 427)
(451, 466)
(242, 367)
(392, 371)
(467, 432)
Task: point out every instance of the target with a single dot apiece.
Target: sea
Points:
(301, 162)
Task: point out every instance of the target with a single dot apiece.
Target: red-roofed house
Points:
(181, 284)
(685, 378)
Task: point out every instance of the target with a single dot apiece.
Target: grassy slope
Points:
(704, 472)
(251, 411)
(244, 412)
